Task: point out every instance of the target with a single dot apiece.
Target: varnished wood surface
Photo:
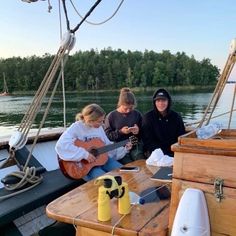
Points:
(80, 207)
(225, 141)
(205, 168)
(197, 163)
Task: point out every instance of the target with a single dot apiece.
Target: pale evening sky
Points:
(201, 28)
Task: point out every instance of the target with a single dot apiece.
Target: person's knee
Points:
(111, 165)
(95, 172)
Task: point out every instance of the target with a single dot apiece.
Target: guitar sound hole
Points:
(94, 152)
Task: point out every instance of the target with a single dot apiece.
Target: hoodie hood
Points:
(161, 93)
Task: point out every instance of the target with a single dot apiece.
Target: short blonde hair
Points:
(126, 97)
(92, 112)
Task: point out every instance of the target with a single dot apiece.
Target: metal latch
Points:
(218, 185)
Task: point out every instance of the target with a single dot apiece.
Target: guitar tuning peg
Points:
(133, 139)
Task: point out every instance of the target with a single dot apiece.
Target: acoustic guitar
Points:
(78, 169)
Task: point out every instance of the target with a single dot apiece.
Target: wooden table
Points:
(79, 207)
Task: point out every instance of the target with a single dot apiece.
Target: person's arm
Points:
(112, 134)
(148, 135)
(66, 148)
(68, 151)
(117, 153)
(139, 124)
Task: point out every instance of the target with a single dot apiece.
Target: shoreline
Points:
(207, 88)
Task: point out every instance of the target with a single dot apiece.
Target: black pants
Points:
(136, 153)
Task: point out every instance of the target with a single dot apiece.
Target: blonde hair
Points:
(92, 112)
(126, 97)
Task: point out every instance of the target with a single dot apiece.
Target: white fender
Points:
(191, 218)
(17, 140)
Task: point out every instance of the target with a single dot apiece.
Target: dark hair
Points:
(126, 97)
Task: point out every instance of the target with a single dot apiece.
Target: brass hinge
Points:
(218, 185)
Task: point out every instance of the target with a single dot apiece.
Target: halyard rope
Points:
(98, 23)
(219, 89)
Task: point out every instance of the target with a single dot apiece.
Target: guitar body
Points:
(77, 170)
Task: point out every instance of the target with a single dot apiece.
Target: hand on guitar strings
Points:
(91, 158)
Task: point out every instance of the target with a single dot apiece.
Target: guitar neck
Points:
(110, 147)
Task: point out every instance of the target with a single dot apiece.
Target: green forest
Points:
(111, 69)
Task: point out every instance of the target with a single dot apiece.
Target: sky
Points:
(202, 28)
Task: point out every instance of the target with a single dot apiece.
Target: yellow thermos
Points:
(112, 186)
(104, 208)
(124, 201)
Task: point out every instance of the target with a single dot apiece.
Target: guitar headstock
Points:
(133, 139)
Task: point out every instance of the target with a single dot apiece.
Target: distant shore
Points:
(208, 88)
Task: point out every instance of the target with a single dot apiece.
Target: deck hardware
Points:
(184, 229)
(218, 185)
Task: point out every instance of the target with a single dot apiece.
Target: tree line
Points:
(111, 69)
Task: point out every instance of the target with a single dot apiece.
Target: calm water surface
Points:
(190, 105)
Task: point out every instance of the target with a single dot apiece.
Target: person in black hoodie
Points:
(161, 126)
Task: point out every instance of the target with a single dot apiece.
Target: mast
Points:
(5, 88)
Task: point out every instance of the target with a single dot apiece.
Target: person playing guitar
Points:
(84, 150)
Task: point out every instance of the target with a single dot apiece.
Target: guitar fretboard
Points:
(110, 147)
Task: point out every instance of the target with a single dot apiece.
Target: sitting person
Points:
(88, 127)
(161, 126)
(125, 122)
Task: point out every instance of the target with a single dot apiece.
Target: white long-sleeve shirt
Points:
(67, 150)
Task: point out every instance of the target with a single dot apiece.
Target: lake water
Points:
(190, 105)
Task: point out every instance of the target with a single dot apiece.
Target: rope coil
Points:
(27, 176)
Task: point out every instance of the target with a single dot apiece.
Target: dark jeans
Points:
(136, 153)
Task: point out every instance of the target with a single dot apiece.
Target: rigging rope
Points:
(26, 174)
(86, 16)
(99, 23)
(232, 107)
(62, 66)
(213, 117)
(83, 19)
(65, 11)
(219, 88)
(49, 6)
(19, 139)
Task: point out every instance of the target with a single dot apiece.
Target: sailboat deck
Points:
(53, 185)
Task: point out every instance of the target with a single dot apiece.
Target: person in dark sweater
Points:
(161, 126)
(124, 122)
